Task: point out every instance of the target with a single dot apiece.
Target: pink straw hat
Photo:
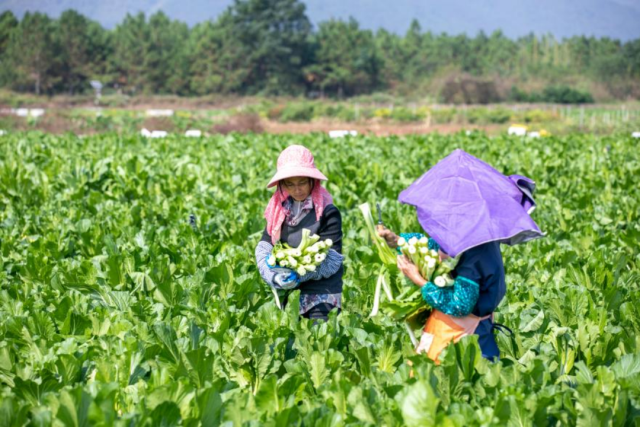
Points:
(296, 160)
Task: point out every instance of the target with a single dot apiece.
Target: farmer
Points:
(301, 202)
(468, 208)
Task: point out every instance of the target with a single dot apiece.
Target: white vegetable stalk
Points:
(446, 266)
(443, 281)
(381, 285)
(312, 249)
(412, 336)
(275, 296)
(429, 266)
(440, 282)
(376, 297)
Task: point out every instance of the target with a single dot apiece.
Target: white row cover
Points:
(28, 112)
(162, 134)
(153, 134)
(159, 113)
(342, 133)
(518, 131)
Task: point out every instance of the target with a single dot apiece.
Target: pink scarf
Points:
(275, 213)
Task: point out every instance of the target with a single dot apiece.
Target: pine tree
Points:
(33, 50)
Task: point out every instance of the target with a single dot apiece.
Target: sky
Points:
(618, 19)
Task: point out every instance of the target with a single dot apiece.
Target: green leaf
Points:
(210, 405)
(419, 405)
(200, 365)
(167, 337)
(266, 398)
(11, 414)
(627, 366)
(317, 370)
(534, 324)
(468, 355)
(364, 362)
(34, 391)
(387, 357)
(166, 414)
(520, 416)
(74, 408)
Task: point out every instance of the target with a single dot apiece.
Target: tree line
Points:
(269, 47)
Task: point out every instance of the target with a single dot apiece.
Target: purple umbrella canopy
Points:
(463, 202)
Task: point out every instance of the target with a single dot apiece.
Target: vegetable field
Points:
(116, 310)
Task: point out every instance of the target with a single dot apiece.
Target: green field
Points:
(114, 311)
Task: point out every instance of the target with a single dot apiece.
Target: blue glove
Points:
(286, 279)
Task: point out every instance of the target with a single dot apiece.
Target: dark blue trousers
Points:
(487, 340)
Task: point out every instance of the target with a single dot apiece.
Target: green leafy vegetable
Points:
(115, 310)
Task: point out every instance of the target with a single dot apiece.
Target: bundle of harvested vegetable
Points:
(303, 259)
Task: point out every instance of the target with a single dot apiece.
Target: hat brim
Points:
(291, 172)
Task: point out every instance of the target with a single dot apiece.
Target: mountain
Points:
(619, 19)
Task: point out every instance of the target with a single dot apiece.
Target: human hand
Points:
(287, 280)
(410, 270)
(442, 255)
(389, 236)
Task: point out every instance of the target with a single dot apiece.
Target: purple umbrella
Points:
(463, 202)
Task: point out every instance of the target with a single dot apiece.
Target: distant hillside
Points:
(618, 19)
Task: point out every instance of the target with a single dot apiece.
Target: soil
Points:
(378, 129)
(58, 124)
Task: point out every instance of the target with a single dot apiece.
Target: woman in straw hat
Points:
(301, 202)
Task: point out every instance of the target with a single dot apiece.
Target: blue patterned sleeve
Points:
(408, 236)
(327, 268)
(263, 250)
(457, 300)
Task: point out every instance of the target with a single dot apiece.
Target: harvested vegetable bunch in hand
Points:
(409, 306)
(428, 261)
(309, 254)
